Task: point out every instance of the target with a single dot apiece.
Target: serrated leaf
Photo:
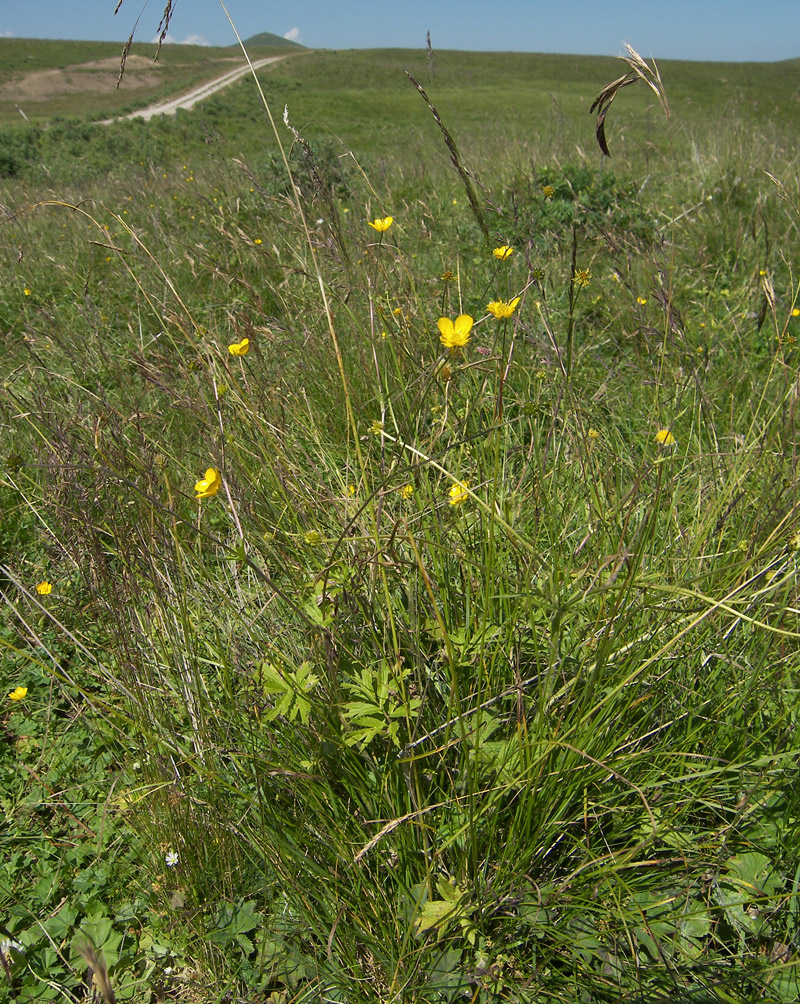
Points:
(754, 873)
(432, 915)
(272, 680)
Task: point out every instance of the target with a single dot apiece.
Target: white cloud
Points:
(189, 40)
(6, 34)
(293, 35)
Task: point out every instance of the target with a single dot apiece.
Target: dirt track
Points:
(187, 101)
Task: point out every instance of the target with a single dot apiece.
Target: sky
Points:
(731, 30)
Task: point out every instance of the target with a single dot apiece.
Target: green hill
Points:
(266, 38)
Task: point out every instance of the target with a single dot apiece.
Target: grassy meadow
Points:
(355, 652)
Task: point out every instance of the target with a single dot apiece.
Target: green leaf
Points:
(754, 873)
(433, 915)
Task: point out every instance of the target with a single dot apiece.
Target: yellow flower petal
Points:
(208, 485)
(503, 308)
(455, 334)
(381, 224)
(240, 348)
(44, 588)
(458, 492)
(665, 438)
(17, 693)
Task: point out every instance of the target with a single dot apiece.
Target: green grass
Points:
(462, 686)
(362, 101)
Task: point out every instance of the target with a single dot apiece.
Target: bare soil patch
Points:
(94, 77)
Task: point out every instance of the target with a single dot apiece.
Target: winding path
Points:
(187, 101)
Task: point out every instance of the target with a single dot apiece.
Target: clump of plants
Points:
(412, 587)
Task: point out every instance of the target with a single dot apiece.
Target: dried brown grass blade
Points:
(455, 158)
(7, 970)
(603, 102)
(124, 57)
(163, 28)
(649, 74)
(97, 968)
(639, 70)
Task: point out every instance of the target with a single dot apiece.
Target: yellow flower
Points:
(548, 191)
(795, 311)
(447, 276)
(458, 492)
(44, 588)
(17, 693)
(240, 348)
(351, 490)
(665, 438)
(407, 491)
(376, 427)
(455, 334)
(27, 291)
(503, 252)
(641, 300)
(258, 241)
(593, 434)
(381, 224)
(503, 308)
(208, 485)
(582, 277)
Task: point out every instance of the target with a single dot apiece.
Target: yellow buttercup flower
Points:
(503, 252)
(665, 438)
(240, 348)
(795, 311)
(503, 308)
(17, 693)
(407, 491)
(27, 291)
(208, 485)
(44, 588)
(381, 224)
(458, 492)
(455, 334)
(641, 300)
